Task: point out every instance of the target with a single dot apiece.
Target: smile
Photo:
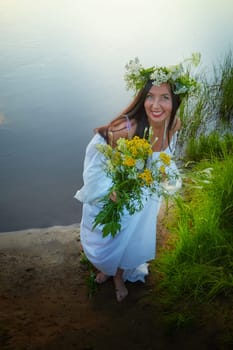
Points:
(157, 115)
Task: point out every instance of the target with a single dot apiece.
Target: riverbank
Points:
(45, 302)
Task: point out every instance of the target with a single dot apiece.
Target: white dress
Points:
(135, 245)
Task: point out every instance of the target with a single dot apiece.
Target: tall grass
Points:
(226, 89)
(200, 264)
(193, 116)
(211, 110)
(196, 266)
(209, 146)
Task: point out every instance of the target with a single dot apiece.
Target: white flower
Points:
(159, 77)
(182, 90)
(133, 66)
(175, 72)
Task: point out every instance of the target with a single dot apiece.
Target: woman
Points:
(126, 256)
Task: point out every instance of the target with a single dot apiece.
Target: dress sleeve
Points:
(96, 182)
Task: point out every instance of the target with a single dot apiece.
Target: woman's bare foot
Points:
(101, 277)
(120, 288)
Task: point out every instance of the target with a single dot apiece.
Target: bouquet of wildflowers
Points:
(131, 170)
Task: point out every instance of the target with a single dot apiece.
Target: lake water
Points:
(61, 69)
(52, 95)
(48, 121)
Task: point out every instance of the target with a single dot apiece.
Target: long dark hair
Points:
(135, 110)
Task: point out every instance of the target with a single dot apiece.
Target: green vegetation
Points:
(90, 277)
(211, 146)
(195, 268)
(226, 89)
(200, 264)
(211, 110)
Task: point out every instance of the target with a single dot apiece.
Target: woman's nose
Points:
(156, 103)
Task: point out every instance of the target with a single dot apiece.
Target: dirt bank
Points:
(45, 302)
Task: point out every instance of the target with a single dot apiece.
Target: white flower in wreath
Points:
(159, 77)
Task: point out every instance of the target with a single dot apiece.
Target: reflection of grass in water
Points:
(90, 279)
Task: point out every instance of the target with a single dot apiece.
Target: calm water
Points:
(52, 95)
(47, 125)
(61, 69)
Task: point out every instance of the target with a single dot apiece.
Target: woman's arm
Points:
(96, 182)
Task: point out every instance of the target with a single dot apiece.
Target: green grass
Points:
(200, 264)
(226, 88)
(210, 146)
(91, 275)
(194, 271)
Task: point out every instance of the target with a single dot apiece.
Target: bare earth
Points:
(45, 302)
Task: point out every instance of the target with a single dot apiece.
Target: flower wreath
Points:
(178, 75)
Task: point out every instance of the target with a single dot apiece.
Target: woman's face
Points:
(158, 104)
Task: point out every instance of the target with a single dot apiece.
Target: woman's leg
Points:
(120, 288)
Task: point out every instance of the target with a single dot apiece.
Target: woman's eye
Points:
(165, 97)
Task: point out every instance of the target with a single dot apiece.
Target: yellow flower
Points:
(146, 176)
(129, 161)
(162, 170)
(133, 150)
(166, 159)
(116, 158)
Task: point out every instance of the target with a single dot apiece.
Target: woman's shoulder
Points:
(96, 139)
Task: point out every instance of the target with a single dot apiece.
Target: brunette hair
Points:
(135, 110)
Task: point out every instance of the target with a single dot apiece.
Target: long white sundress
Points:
(135, 245)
